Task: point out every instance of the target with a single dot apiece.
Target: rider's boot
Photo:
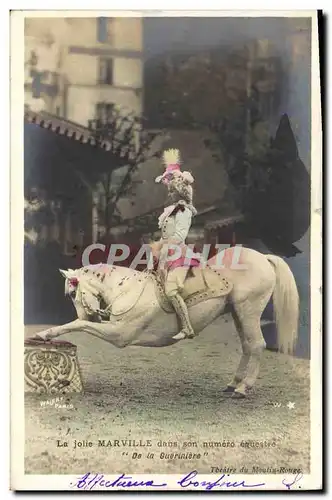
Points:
(181, 310)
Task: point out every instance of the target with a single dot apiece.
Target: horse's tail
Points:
(285, 304)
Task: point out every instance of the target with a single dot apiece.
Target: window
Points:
(106, 71)
(104, 112)
(104, 29)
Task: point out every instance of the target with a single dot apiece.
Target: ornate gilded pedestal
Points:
(51, 367)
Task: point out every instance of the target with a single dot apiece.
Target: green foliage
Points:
(219, 92)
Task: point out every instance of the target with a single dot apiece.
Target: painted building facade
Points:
(79, 68)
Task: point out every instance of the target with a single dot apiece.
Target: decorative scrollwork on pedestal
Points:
(51, 369)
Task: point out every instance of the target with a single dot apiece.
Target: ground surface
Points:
(171, 394)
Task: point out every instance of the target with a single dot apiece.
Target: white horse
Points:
(136, 317)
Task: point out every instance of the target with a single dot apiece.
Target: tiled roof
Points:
(64, 127)
(202, 210)
(225, 221)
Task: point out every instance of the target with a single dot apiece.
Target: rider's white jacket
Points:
(175, 228)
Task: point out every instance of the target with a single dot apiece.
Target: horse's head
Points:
(82, 290)
(71, 281)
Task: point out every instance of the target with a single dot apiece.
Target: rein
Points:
(147, 273)
(84, 288)
(81, 297)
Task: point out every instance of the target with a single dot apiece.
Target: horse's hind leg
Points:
(249, 314)
(240, 372)
(254, 345)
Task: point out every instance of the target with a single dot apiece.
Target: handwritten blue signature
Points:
(222, 482)
(89, 481)
(296, 479)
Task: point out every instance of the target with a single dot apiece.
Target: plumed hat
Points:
(171, 159)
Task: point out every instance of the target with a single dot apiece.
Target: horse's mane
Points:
(94, 272)
(93, 268)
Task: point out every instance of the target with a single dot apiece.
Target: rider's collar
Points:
(170, 208)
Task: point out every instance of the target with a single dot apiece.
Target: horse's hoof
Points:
(34, 340)
(229, 390)
(238, 395)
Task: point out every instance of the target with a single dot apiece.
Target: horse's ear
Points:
(64, 273)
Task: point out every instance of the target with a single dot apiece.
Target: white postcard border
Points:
(20, 480)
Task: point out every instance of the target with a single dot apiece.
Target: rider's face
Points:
(167, 178)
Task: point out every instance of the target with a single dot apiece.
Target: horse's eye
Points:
(72, 294)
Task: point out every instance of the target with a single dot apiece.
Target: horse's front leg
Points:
(56, 331)
(107, 331)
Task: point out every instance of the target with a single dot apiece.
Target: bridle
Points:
(79, 295)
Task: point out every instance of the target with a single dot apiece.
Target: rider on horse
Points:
(175, 222)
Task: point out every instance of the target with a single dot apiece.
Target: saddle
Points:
(201, 284)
